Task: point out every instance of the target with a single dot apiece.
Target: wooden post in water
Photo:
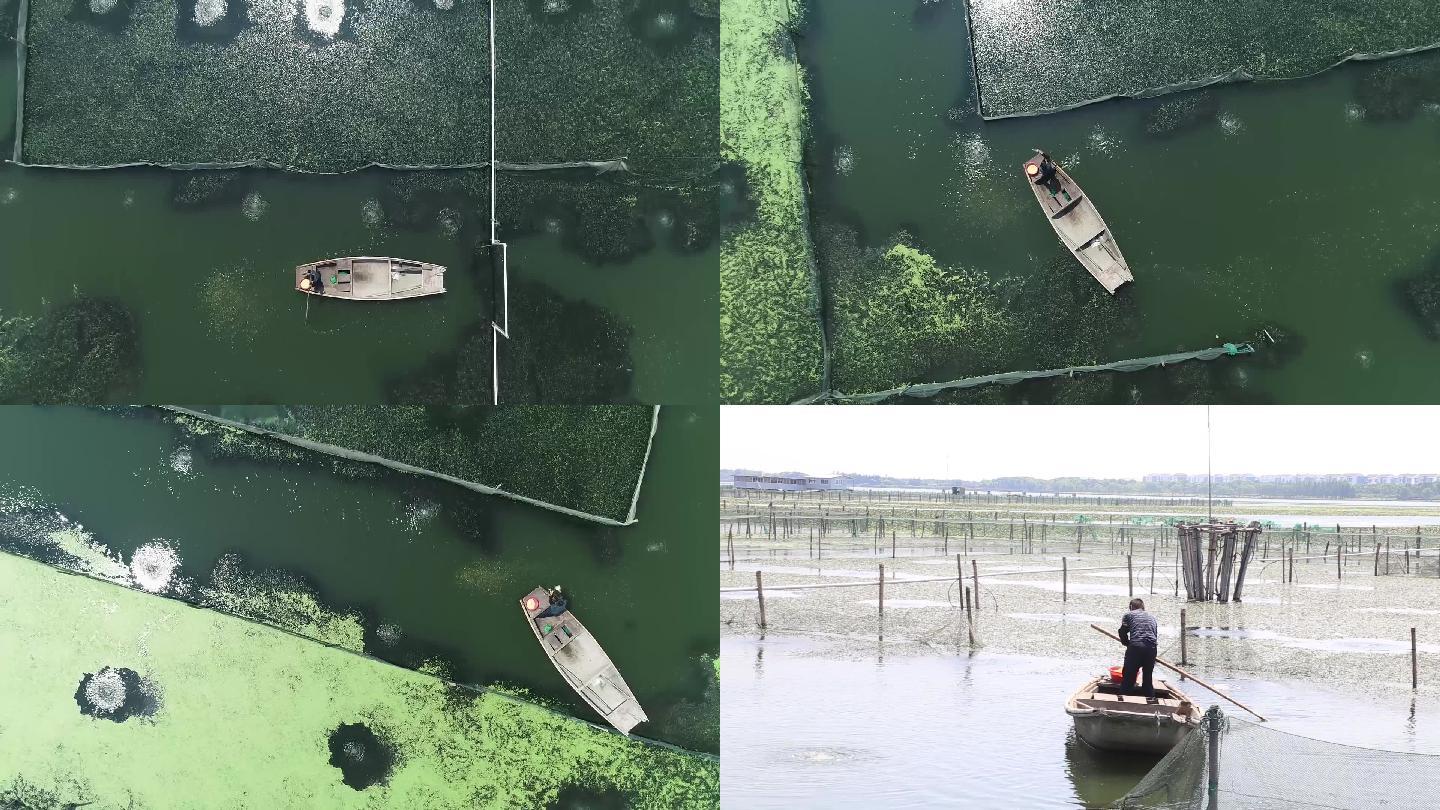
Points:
(1183, 634)
(975, 577)
(1130, 574)
(960, 572)
(1414, 662)
(1212, 723)
(1339, 561)
(1064, 580)
(760, 594)
(892, 545)
(969, 618)
(1152, 566)
(882, 590)
(1377, 559)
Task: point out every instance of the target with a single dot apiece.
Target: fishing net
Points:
(925, 390)
(772, 341)
(1076, 54)
(1255, 766)
(255, 82)
(586, 462)
(603, 79)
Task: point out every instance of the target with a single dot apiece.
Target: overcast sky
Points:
(975, 442)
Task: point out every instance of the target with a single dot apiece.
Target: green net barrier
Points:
(228, 82)
(1077, 54)
(1258, 767)
(585, 462)
(922, 390)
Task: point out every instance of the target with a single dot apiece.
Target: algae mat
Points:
(318, 85)
(1038, 56)
(772, 347)
(583, 461)
(253, 717)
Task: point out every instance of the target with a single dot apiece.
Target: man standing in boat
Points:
(1140, 634)
(1042, 173)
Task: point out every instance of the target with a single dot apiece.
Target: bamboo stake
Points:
(760, 593)
(1183, 633)
(1414, 662)
(1064, 580)
(1185, 674)
(975, 571)
(882, 589)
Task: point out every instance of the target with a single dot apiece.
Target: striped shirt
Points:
(1140, 628)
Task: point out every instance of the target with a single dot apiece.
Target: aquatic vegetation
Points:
(281, 599)
(772, 347)
(1079, 53)
(208, 188)
(896, 314)
(581, 458)
(452, 747)
(424, 96)
(607, 218)
(1420, 296)
(85, 351)
(1184, 113)
(419, 201)
(570, 351)
(578, 81)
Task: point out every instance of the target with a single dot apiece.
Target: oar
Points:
(1187, 675)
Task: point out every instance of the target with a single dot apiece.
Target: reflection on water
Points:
(825, 723)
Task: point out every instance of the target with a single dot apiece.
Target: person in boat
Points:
(558, 603)
(313, 282)
(1042, 173)
(1140, 634)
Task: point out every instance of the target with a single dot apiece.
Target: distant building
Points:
(957, 490)
(787, 483)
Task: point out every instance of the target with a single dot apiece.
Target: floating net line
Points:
(400, 466)
(1231, 762)
(922, 390)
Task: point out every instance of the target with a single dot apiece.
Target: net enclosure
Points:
(1044, 56)
(312, 85)
(1230, 762)
(588, 462)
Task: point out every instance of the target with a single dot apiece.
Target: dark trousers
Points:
(1139, 659)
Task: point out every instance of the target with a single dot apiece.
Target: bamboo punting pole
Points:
(1185, 674)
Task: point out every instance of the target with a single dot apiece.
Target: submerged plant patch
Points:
(1076, 53)
(315, 85)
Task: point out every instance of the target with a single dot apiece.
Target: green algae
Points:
(583, 459)
(896, 313)
(771, 345)
(454, 747)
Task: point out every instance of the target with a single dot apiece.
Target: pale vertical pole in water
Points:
(960, 573)
(1182, 637)
(969, 618)
(1152, 566)
(1130, 574)
(882, 589)
(760, 594)
(1064, 580)
(975, 571)
(1414, 662)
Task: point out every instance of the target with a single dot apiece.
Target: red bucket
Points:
(1117, 674)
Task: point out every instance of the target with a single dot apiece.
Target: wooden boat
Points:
(581, 661)
(1078, 224)
(370, 278)
(1110, 721)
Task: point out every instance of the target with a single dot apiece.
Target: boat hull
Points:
(1111, 721)
(374, 278)
(579, 659)
(1080, 227)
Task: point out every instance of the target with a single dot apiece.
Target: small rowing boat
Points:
(581, 661)
(370, 278)
(1108, 720)
(1076, 221)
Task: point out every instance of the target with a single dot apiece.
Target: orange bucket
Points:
(1117, 674)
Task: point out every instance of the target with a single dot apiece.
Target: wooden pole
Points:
(975, 577)
(1183, 633)
(760, 593)
(969, 618)
(1152, 566)
(1130, 573)
(1185, 674)
(1414, 662)
(882, 589)
(1064, 580)
(960, 573)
